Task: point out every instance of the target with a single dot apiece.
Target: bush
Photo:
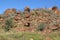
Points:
(9, 24)
(41, 27)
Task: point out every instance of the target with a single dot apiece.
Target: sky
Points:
(21, 4)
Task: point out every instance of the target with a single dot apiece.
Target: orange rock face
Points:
(17, 18)
(27, 9)
(27, 15)
(18, 12)
(8, 11)
(1, 19)
(27, 24)
(55, 9)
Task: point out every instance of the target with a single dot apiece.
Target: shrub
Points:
(9, 24)
(41, 27)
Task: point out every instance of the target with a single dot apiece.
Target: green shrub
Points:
(41, 27)
(9, 24)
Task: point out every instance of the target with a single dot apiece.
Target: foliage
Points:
(9, 24)
(28, 36)
(41, 27)
(21, 36)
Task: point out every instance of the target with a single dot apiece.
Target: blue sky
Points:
(20, 4)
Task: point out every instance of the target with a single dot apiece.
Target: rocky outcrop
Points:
(10, 11)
